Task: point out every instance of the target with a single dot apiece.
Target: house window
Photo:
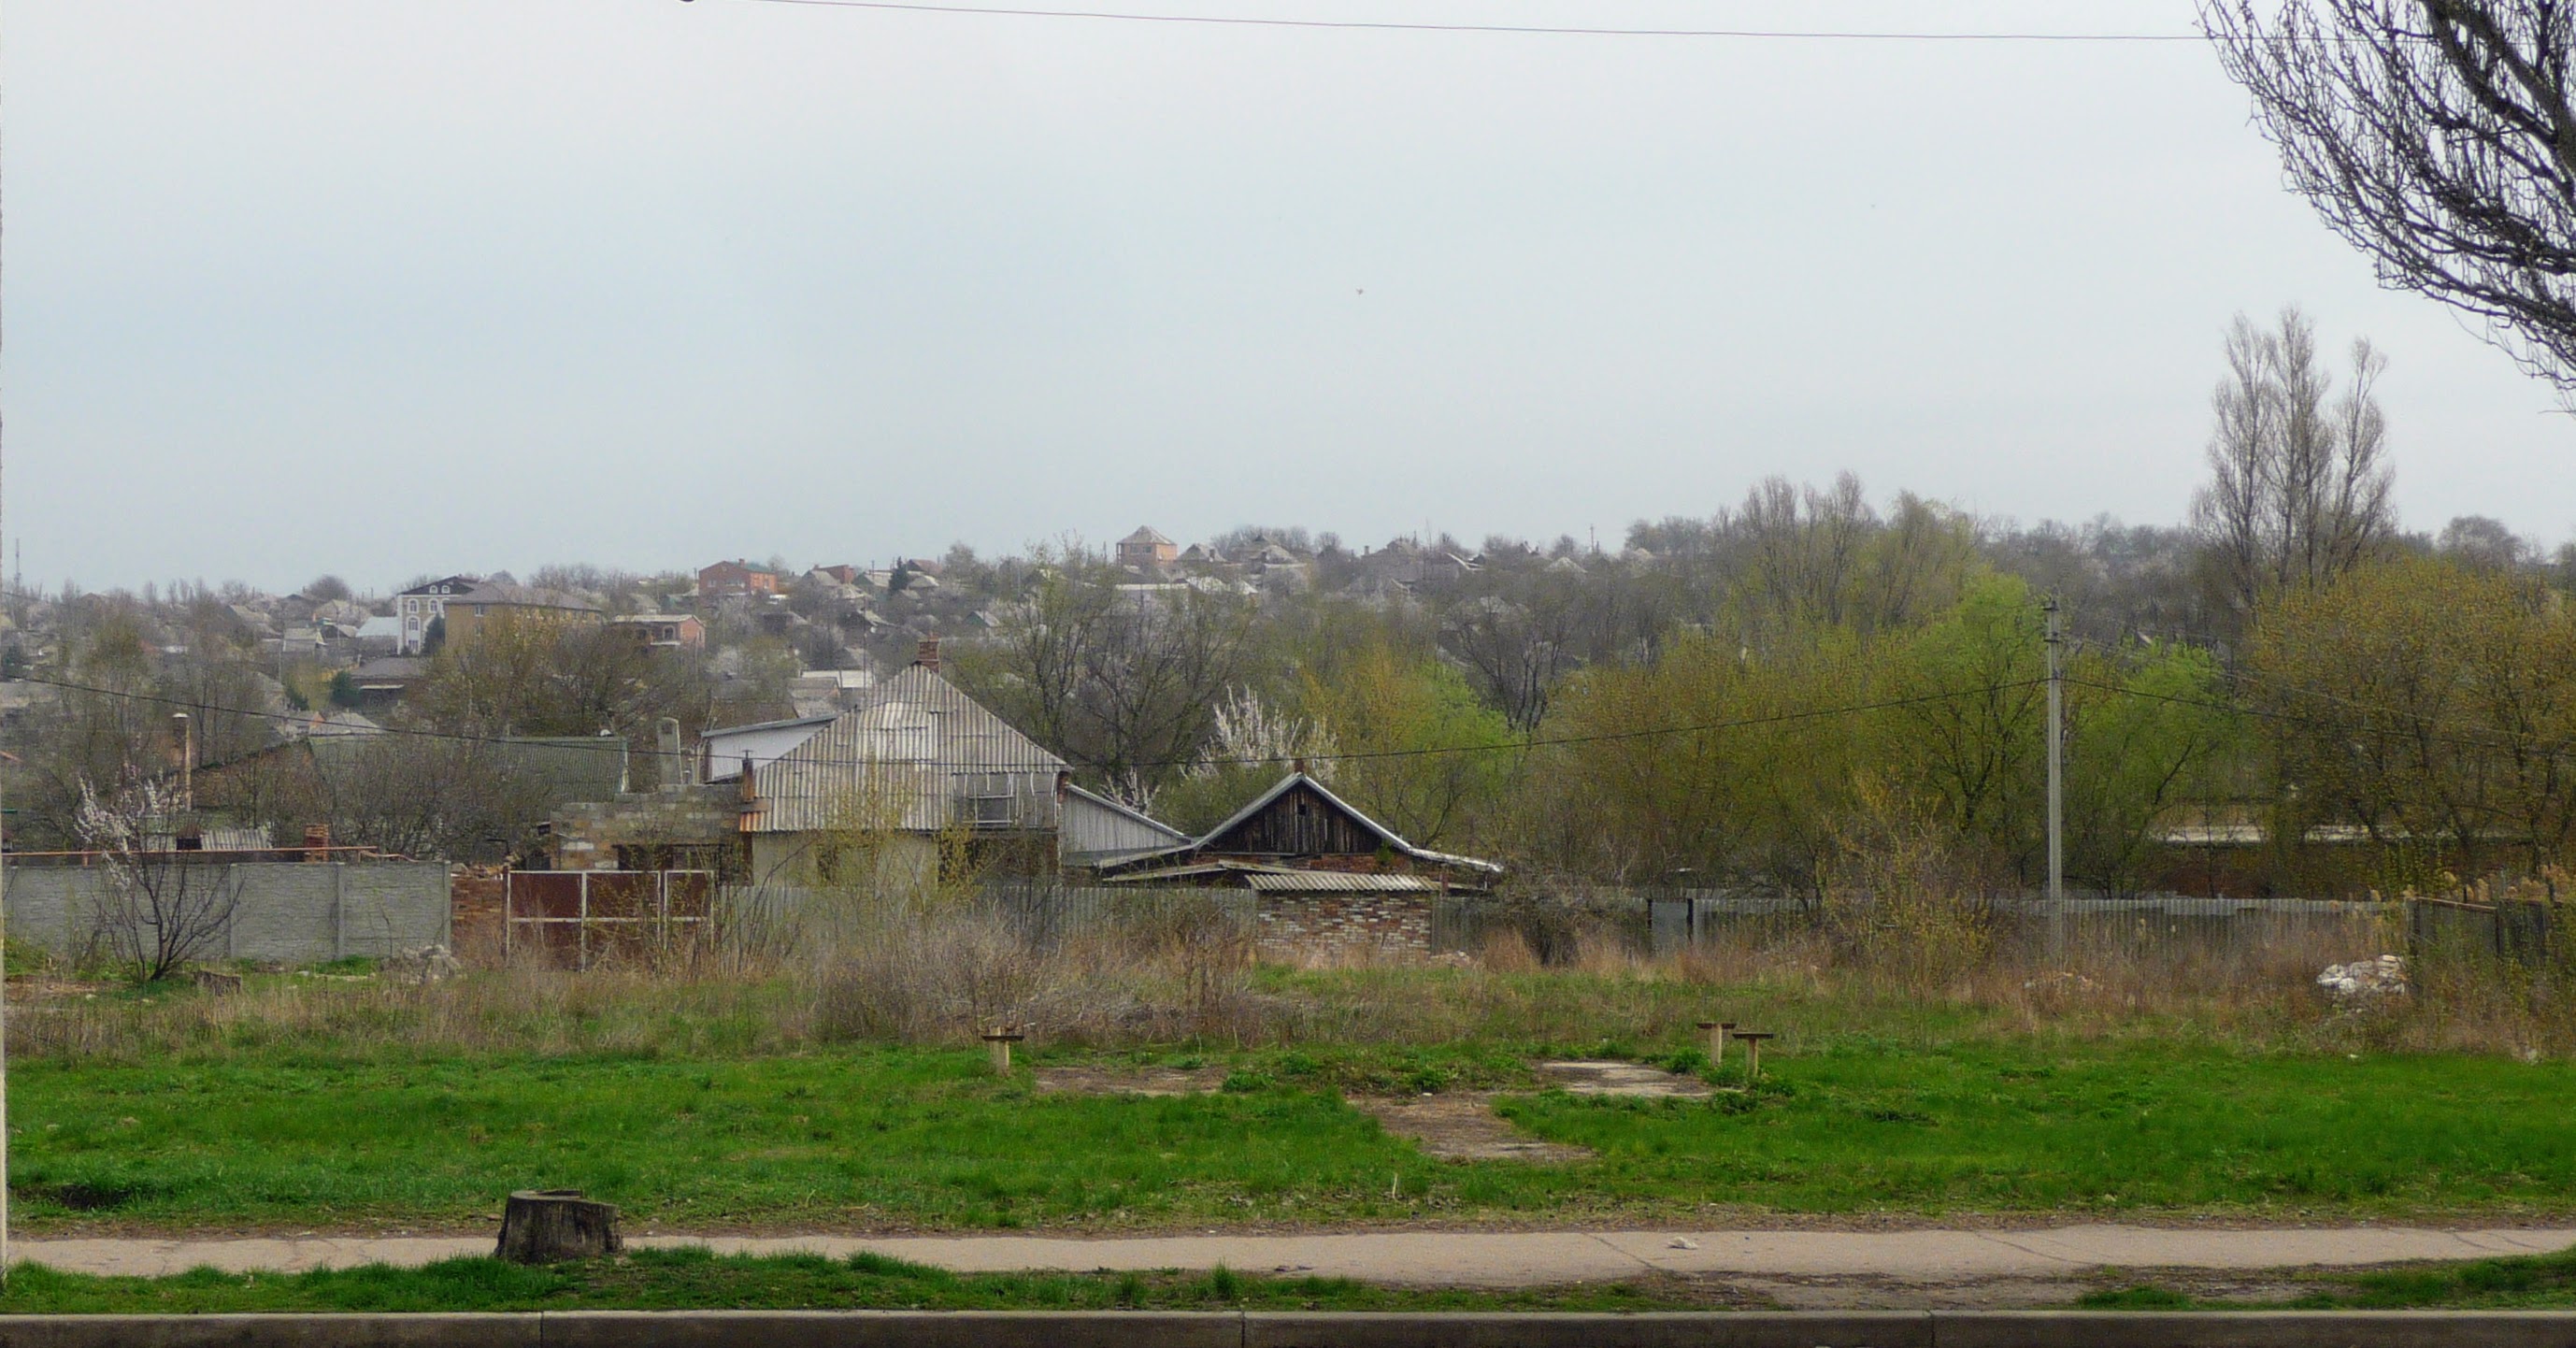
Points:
(991, 800)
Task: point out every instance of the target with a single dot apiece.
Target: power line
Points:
(1528, 30)
(2453, 739)
(615, 744)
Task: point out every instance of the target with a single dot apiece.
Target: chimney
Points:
(928, 655)
(674, 770)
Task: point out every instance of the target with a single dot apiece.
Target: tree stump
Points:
(549, 1226)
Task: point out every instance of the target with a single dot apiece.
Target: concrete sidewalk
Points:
(1452, 1258)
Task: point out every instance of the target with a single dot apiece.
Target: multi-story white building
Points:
(421, 605)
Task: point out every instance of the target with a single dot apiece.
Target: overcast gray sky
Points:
(405, 286)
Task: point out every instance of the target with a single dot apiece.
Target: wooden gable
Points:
(1300, 822)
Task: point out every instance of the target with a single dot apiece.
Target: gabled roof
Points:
(1386, 835)
(909, 739)
(1146, 533)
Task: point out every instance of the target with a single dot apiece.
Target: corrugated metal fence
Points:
(1670, 921)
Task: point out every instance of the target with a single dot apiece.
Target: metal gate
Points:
(575, 919)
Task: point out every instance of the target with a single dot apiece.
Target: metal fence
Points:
(574, 919)
(2525, 932)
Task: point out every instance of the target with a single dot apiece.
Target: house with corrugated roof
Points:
(914, 763)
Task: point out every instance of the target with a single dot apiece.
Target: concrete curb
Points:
(1226, 1329)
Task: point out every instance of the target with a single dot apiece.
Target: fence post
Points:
(581, 932)
(339, 911)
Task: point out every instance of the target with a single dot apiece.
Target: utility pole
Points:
(2056, 759)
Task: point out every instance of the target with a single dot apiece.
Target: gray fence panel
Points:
(286, 912)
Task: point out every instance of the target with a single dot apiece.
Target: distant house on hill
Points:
(662, 631)
(735, 580)
(469, 613)
(1146, 549)
(421, 605)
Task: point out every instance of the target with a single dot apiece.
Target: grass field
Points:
(697, 1280)
(890, 1137)
(2523, 1282)
(692, 1279)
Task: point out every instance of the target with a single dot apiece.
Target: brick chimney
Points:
(928, 655)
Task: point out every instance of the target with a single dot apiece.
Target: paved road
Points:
(1463, 1259)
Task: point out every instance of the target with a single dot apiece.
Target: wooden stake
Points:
(1000, 1038)
(1752, 1053)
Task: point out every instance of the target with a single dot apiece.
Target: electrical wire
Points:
(2448, 737)
(1532, 30)
(615, 744)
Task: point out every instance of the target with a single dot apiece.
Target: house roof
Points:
(761, 742)
(526, 596)
(430, 587)
(1146, 533)
(1128, 811)
(908, 739)
(391, 668)
(1384, 834)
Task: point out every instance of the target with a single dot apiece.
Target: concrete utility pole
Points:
(2056, 760)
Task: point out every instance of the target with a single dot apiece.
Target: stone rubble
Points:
(2381, 977)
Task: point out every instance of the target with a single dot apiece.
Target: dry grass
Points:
(941, 976)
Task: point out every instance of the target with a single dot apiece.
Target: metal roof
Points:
(908, 752)
(763, 743)
(1339, 882)
(1385, 834)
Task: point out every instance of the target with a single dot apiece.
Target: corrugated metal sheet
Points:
(1094, 829)
(762, 744)
(1339, 882)
(917, 754)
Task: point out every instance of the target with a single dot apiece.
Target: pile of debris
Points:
(428, 964)
(2362, 980)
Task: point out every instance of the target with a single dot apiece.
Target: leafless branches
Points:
(160, 908)
(2299, 483)
(2439, 138)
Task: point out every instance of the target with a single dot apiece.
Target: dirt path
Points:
(1796, 1268)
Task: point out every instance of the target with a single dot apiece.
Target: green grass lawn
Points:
(697, 1280)
(2520, 1282)
(881, 1138)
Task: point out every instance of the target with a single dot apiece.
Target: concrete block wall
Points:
(287, 912)
(1310, 927)
(586, 836)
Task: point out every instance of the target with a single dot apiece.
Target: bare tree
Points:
(161, 908)
(2299, 483)
(2439, 138)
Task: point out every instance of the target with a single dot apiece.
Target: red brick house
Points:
(734, 580)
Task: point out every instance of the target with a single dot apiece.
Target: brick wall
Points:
(474, 895)
(1328, 927)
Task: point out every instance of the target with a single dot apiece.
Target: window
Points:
(991, 800)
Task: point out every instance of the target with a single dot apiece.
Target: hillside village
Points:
(1127, 715)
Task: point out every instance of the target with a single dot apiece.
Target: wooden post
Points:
(549, 1226)
(1752, 1040)
(1000, 1038)
(1717, 1032)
